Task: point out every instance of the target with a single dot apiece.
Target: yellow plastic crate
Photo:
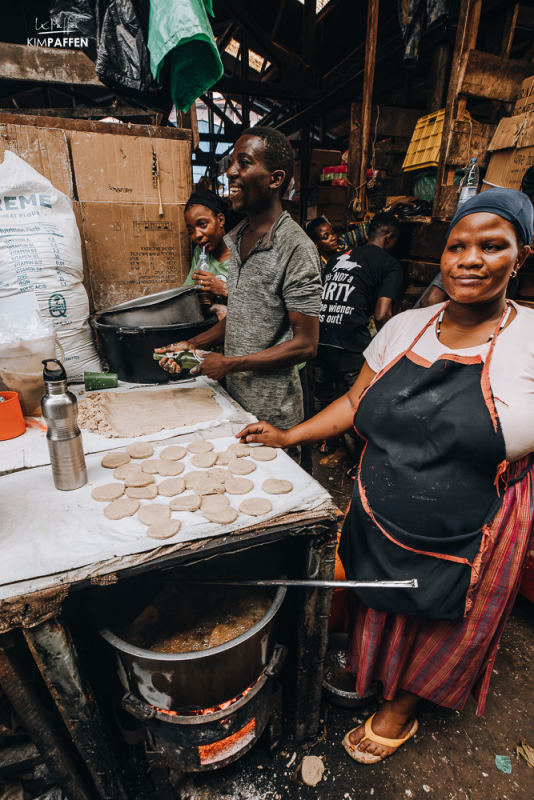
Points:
(426, 141)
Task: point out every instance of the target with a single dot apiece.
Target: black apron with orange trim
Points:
(429, 483)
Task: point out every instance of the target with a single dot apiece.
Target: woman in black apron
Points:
(445, 488)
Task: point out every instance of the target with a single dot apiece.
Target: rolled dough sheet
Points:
(139, 412)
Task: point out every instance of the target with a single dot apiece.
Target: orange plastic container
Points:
(11, 420)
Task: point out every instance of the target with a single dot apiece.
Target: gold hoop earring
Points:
(513, 273)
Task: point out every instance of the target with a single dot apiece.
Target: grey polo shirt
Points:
(280, 274)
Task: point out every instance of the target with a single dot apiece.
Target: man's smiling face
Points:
(250, 181)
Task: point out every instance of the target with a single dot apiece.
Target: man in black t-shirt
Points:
(357, 284)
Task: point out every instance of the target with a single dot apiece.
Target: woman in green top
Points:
(205, 218)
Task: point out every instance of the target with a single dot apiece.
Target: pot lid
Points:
(148, 300)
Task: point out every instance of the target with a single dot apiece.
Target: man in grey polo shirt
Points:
(274, 288)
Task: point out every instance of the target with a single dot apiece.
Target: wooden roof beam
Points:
(46, 65)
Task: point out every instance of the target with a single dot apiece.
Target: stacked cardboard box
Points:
(512, 146)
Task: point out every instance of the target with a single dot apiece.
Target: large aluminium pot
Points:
(201, 679)
(164, 308)
(130, 351)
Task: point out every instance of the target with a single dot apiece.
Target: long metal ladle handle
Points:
(311, 584)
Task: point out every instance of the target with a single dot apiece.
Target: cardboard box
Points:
(118, 169)
(132, 251)
(525, 101)
(512, 149)
(45, 149)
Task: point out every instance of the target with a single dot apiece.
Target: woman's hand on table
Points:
(265, 433)
(210, 283)
(168, 364)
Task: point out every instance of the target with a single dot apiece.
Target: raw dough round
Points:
(151, 466)
(168, 469)
(263, 453)
(241, 467)
(256, 506)
(142, 492)
(276, 486)
(165, 529)
(115, 459)
(204, 460)
(155, 512)
(139, 479)
(208, 486)
(171, 486)
(200, 446)
(124, 507)
(173, 453)
(219, 474)
(238, 485)
(239, 449)
(123, 471)
(186, 502)
(107, 492)
(224, 517)
(224, 457)
(140, 450)
(192, 478)
(214, 502)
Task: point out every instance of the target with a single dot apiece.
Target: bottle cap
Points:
(56, 373)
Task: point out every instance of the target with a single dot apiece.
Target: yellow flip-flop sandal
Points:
(368, 758)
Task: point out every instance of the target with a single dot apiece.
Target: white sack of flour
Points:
(40, 251)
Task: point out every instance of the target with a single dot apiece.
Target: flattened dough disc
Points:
(219, 474)
(192, 478)
(140, 450)
(115, 459)
(139, 479)
(155, 512)
(277, 486)
(214, 502)
(173, 453)
(238, 485)
(186, 502)
(208, 486)
(255, 506)
(263, 453)
(224, 458)
(107, 492)
(169, 469)
(204, 460)
(240, 450)
(142, 492)
(123, 471)
(151, 466)
(124, 507)
(238, 466)
(224, 517)
(200, 446)
(165, 529)
(171, 486)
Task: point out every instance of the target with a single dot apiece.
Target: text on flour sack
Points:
(337, 292)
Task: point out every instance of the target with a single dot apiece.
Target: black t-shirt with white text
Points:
(353, 283)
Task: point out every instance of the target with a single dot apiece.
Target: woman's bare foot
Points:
(394, 720)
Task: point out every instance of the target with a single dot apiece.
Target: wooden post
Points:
(55, 654)
(438, 76)
(506, 46)
(466, 37)
(367, 98)
(245, 74)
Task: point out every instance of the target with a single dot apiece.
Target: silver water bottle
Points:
(60, 410)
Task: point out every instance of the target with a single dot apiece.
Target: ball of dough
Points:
(171, 486)
(151, 466)
(214, 502)
(238, 485)
(240, 450)
(276, 486)
(165, 529)
(140, 450)
(115, 459)
(139, 479)
(155, 512)
(124, 507)
(169, 469)
(204, 460)
(186, 502)
(238, 466)
(263, 453)
(107, 492)
(255, 506)
(224, 517)
(173, 453)
(219, 474)
(200, 446)
(123, 471)
(224, 458)
(142, 492)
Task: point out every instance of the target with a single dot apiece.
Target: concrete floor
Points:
(452, 757)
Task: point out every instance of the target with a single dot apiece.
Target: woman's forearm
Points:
(330, 423)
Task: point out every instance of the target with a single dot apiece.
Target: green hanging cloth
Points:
(180, 34)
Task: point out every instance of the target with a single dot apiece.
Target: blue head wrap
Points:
(506, 203)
